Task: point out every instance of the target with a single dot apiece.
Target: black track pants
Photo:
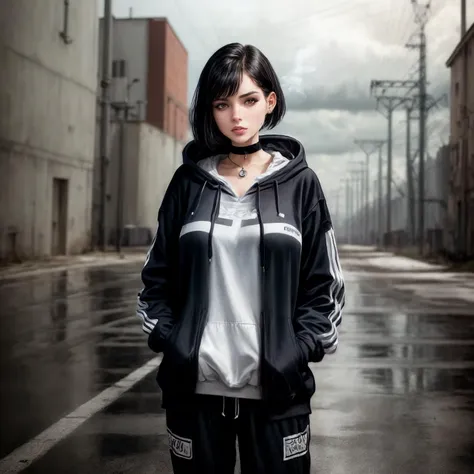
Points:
(202, 440)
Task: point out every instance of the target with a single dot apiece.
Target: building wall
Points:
(159, 157)
(154, 55)
(130, 42)
(176, 86)
(168, 80)
(461, 201)
(155, 109)
(150, 160)
(47, 110)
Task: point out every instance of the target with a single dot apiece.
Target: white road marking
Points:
(25, 455)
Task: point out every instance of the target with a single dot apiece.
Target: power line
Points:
(421, 12)
(369, 147)
(390, 102)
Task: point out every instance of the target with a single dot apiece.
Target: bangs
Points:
(225, 80)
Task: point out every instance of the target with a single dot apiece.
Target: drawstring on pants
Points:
(236, 408)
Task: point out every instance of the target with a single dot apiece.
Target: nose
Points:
(236, 114)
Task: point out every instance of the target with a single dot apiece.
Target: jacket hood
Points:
(289, 147)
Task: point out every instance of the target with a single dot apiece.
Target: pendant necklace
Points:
(243, 171)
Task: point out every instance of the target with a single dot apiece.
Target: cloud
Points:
(349, 97)
(331, 133)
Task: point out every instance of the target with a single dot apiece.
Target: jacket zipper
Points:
(203, 314)
(197, 346)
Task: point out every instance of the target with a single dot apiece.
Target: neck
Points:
(252, 158)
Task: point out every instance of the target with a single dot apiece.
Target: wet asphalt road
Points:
(398, 396)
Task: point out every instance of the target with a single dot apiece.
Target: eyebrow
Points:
(247, 94)
(243, 95)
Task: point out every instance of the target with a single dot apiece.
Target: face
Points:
(241, 116)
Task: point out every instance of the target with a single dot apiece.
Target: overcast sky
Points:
(326, 55)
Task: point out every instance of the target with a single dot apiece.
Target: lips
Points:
(239, 129)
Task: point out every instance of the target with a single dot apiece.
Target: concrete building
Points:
(461, 199)
(150, 73)
(48, 84)
(149, 160)
(148, 51)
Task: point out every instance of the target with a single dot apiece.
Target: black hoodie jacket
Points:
(302, 285)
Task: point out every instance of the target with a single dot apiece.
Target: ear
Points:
(271, 102)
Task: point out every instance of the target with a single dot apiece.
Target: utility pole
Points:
(122, 119)
(369, 147)
(421, 18)
(105, 120)
(410, 182)
(390, 103)
(351, 206)
(375, 212)
(465, 135)
(122, 113)
(347, 212)
(358, 179)
(380, 197)
(355, 205)
(410, 108)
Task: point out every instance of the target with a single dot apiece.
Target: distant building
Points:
(150, 66)
(461, 199)
(48, 86)
(150, 73)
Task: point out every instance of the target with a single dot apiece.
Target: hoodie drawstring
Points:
(214, 214)
(199, 199)
(277, 199)
(262, 233)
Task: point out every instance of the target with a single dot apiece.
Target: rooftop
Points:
(464, 40)
(151, 18)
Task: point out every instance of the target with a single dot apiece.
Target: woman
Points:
(242, 284)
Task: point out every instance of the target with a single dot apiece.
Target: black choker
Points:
(245, 150)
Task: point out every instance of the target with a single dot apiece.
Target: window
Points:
(119, 68)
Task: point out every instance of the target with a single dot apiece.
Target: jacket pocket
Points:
(282, 368)
(302, 364)
(179, 368)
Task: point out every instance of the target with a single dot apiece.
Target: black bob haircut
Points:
(221, 78)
